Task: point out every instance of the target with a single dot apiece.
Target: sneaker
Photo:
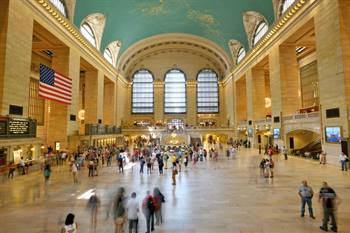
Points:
(324, 229)
(302, 215)
(311, 216)
(334, 229)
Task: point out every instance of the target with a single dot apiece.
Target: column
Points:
(240, 100)
(58, 125)
(258, 92)
(290, 81)
(191, 89)
(158, 101)
(94, 84)
(109, 102)
(276, 92)
(229, 102)
(16, 35)
(121, 100)
(331, 70)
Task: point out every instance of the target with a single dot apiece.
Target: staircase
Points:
(311, 150)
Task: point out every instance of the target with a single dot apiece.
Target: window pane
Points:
(207, 92)
(60, 6)
(241, 55)
(260, 32)
(286, 5)
(88, 33)
(175, 92)
(108, 55)
(142, 92)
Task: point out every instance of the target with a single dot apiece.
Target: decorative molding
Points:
(251, 20)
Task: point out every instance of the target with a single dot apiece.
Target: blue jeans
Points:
(306, 200)
(344, 165)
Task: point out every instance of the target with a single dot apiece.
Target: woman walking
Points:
(159, 199)
(47, 173)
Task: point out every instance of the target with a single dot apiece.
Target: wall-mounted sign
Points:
(18, 126)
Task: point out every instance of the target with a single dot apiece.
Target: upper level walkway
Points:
(221, 197)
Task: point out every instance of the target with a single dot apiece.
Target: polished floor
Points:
(221, 197)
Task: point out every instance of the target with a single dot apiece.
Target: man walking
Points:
(306, 193)
(327, 198)
(285, 152)
(148, 208)
(133, 209)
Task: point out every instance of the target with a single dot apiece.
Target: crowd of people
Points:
(154, 158)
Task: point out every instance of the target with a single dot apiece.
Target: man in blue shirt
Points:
(306, 193)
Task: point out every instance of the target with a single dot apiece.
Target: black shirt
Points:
(328, 195)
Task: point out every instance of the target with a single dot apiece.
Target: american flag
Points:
(54, 86)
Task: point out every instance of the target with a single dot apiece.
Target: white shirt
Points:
(71, 228)
(132, 208)
(342, 157)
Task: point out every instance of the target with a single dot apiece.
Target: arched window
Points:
(240, 55)
(285, 5)
(207, 92)
(60, 6)
(260, 31)
(88, 33)
(175, 92)
(142, 92)
(108, 55)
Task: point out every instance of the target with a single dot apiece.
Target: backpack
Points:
(150, 204)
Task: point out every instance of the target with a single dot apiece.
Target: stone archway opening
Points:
(304, 143)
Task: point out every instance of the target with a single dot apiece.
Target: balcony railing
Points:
(99, 129)
(302, 116)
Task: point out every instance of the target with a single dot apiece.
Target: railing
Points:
(99, 129)
(302, 116)
(263, 121)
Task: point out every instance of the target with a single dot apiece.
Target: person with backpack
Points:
(148, 209)
(159, 200)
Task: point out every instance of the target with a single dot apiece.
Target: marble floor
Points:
(224, 196)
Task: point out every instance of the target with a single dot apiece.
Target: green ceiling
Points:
(132, 20)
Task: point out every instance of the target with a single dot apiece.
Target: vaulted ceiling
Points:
(130, 21)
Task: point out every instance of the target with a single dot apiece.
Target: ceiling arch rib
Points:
(169, 43)
(97, 22)
(251, 20)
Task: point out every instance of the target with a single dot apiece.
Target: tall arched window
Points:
(285, 5)
(88, 33)
(142, 92)
(175, 92)
(260, 31)
(207, 92)
(108, 55)
(60, 6)
(240, 55)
